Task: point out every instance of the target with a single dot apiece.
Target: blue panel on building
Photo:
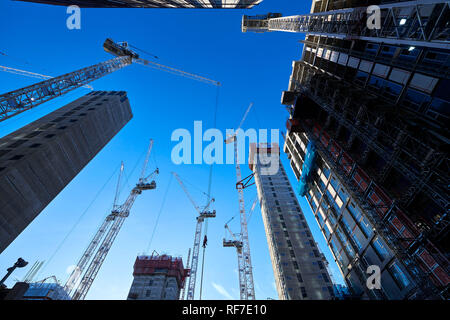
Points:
(307, 169)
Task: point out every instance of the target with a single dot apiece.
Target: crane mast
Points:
(202, 215)
(183, 290)
(108, 231)
(246, 284)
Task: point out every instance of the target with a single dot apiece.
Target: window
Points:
(356, 241)
(365, 227)
(33, 134)
(343, 194)
(380, 249)
(148, 293)
(415, 99)
(299, 277)
(304, 295)
(58, 119)
(399, 275)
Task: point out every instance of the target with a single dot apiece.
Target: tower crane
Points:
(104, 238)
(246, 285)
(203, 213)
(421, 23)
(20, 100)
(236, 242)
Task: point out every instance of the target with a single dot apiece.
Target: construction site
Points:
(94, 206)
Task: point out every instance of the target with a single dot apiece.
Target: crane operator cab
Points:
(233, 243)
(208, 214)
(146, 186)
(258, 23)
(119, 50)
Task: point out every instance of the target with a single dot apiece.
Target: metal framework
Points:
(203, 214)
(382, 229)
(198, 4)
(108, 231)
(188, 267)
(15, 102)
(335, 98)
(246, 285)
(237, 243)
(30, 74)
(318, 91)
(416, 23)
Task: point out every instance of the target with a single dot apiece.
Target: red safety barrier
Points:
(148, 265)
(335, 150)
(346, 162)
(292, 124)
(378, 198)
(316, 130)
(403, 228)
(325, 139)
(429, 264)
(361, 179)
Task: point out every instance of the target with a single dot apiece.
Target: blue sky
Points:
(252, 67)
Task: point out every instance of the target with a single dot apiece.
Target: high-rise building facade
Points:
(368, 141)
(157, 277)
(40, 159)
(300, 269)
(205, 4)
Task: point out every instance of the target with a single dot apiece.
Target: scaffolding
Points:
(336, 97)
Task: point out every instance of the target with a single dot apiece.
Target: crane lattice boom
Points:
(17, 101)
(106, 235)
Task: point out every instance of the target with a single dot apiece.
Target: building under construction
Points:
(368, 138)
(40, 159)
(300, 270)
(193, 4)
(157, 277)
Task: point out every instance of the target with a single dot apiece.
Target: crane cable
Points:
(209, 195)
(87, 209)
(148, 53)
(77, 222)
(159, 214)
